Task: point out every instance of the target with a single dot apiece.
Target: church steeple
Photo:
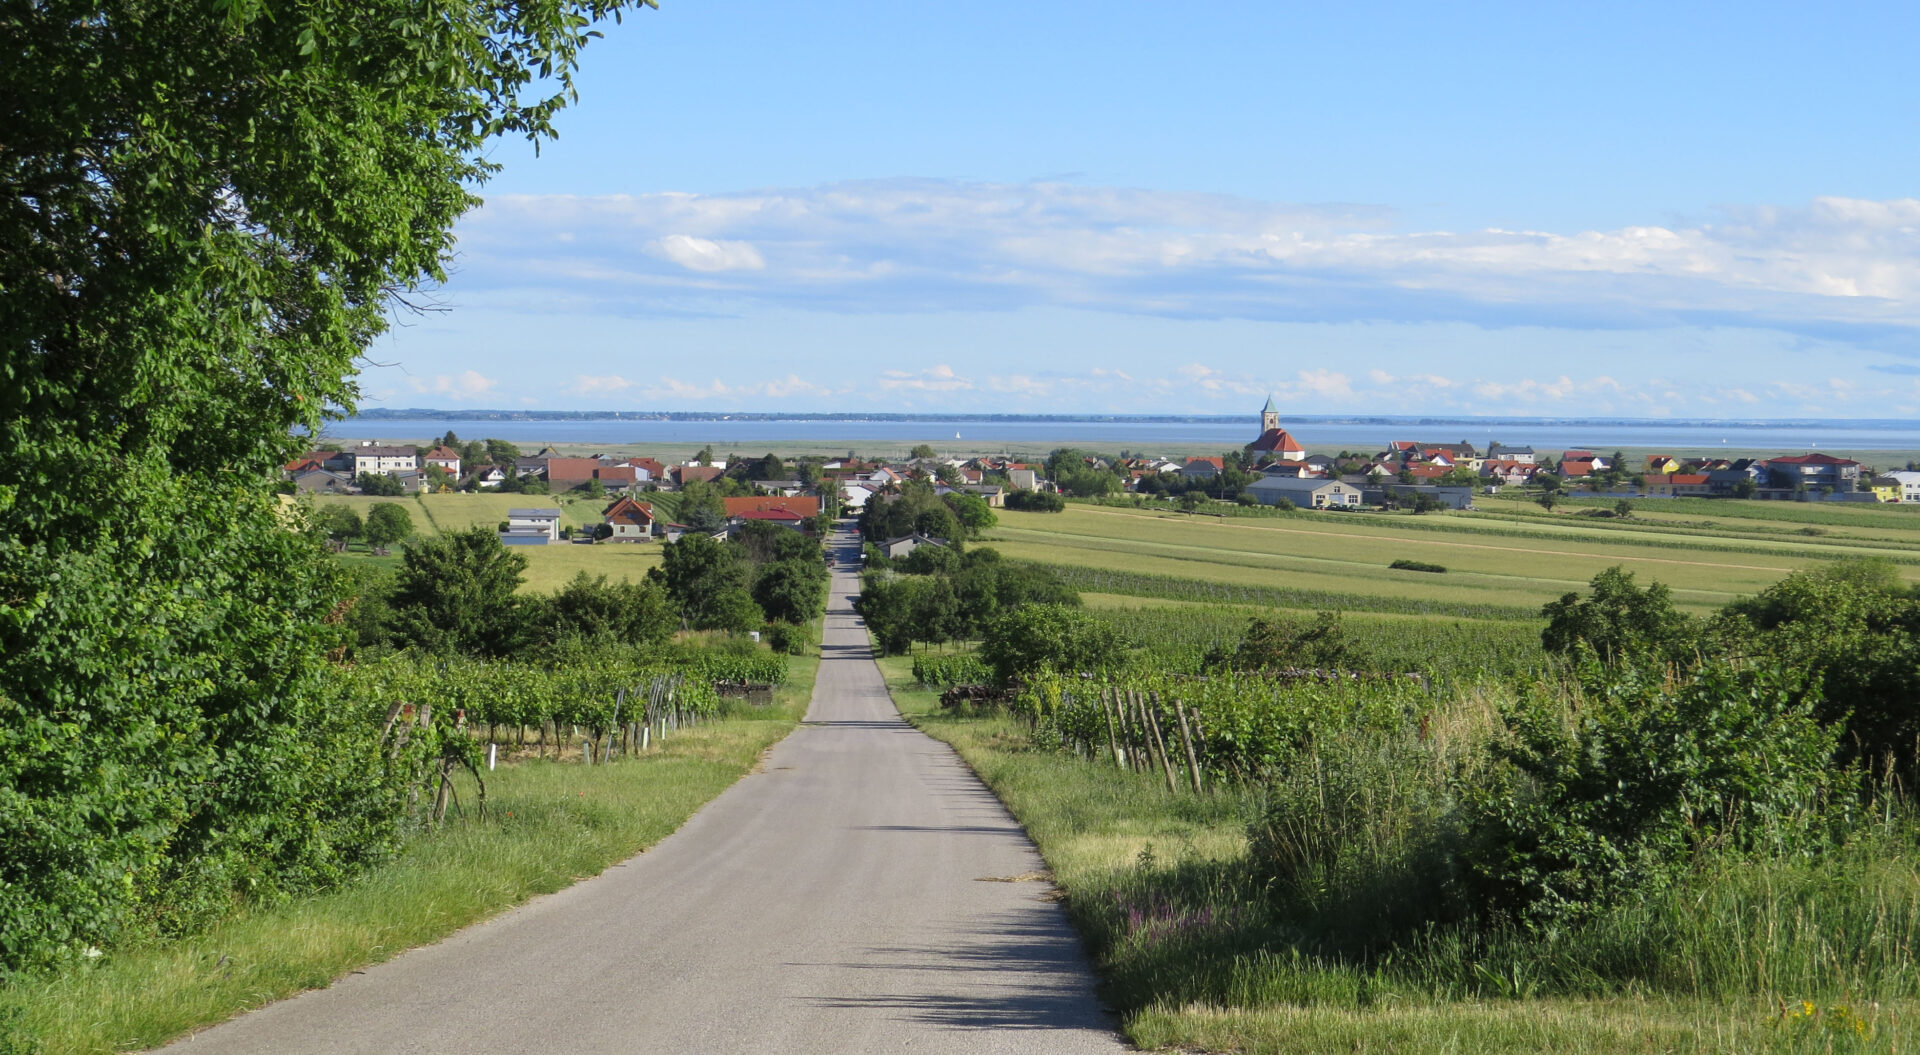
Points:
(1269, 417)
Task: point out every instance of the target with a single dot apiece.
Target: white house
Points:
(1909, 484)
(373, 458)
(531, 527)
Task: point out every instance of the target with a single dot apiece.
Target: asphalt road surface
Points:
(837, 901)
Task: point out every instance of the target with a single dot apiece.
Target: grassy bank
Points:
(548, 825)
(1199, 954)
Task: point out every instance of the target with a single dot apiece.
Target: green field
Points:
(1490, 561)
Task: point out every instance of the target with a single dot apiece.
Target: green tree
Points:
(701, 509)
(923, 450)
(1548, 499)
(596, 610)
(791, 591)
(380, 484)
(705, 581)
(455, 593)
(502, 453)
(339, 524)
(387, 523)
(1037, 638)
(1619, 621)
(209, 211)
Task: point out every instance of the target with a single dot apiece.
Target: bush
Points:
(788, 639)
(1418, 565)
(1039, 638)
(1036, 501)
(1579, 810)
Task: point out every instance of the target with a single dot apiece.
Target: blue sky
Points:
(1089, 208)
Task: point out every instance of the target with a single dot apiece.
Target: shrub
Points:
(1580, 809)
(1417, 565)
(1618, 621)
(1037, 638)
(788, 639)
(1036, 501)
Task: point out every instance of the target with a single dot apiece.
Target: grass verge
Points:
(549, 825)
(1158, 887)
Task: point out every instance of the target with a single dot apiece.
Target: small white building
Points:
(531, 527)
(1023, 479)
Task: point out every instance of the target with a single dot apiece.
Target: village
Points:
(1274, 469)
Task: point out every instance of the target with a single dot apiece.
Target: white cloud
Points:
(584, 385)
(939, 378)
(706, 254)
(924, 245)
(466, 386)
(788, 387)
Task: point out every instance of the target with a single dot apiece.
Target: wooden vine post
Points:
(1186, 738)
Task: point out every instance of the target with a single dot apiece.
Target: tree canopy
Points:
(207, 212)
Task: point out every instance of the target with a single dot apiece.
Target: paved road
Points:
(831, 903)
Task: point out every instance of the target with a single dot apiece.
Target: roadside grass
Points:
(1195, 954)
(1350, 554)
(548, 825)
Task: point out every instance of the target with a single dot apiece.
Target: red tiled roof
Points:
(1811, 459)
(798, 507)
(628, 511)
(1217, 463)
(441, 454)
(571, 470)
(1275, 440)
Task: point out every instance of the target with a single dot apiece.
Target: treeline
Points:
(458, 594)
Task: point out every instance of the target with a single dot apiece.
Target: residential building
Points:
(1203, 468)
(531, 527)
(631, 521)
(1669, 485)
(444, 458)
(896, 548)
(564, 474)
(384, 461)
(318, 481)
(1813, 471)
(1506, 453)
(1909, 482)
(1023, 479)
(489, 478)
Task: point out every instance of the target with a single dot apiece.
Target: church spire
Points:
(1269, 416)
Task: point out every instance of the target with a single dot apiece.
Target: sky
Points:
(1618, 209)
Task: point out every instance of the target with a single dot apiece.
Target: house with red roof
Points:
(631, 521)
(1813, 471)
(445, 458)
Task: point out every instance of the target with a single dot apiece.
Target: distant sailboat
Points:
(956, 435)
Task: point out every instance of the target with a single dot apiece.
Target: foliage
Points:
(957, 600)
(1619, 796)
(1618, 622)
(1273, 643)
(792, 591)
(454, 593)
(380, 484)
(1144, 584)
(598, 611)
(707, 583)
(1038, 638)
(958, 669)
(387, 523)
(339, 524)
(1035, 502)
(1417, 565)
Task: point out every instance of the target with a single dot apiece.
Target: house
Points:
(412, 481)
(564, 474)
(1813, 471)
(783, 488)
(1909, 482)
(618, 477)
(1305, 492)
(1023, 479)
(1274, 440)
(1573, 469)
(1598, 463)
(1500, 452)
(1320, 464)
(631, 521)
(443, 457)
(318, 481)
(896, 548)
(797, 512)
(373, 458)
(1296, 470)
(1662, 463)
(1668, 485)
(1724, 480)
(682, 475)
(647, 470)
(531, 527)
(1203, 468)
(1511, 472)
(853, 495)
(489, 478)
(530, 468)
(1884, 488)
(994, 495)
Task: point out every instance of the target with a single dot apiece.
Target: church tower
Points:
(1269, 417)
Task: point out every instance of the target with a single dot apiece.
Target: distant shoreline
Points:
(423, 414)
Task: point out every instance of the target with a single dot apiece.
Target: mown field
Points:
(1498, 562)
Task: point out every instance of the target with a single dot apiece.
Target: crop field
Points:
(1493, 563)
